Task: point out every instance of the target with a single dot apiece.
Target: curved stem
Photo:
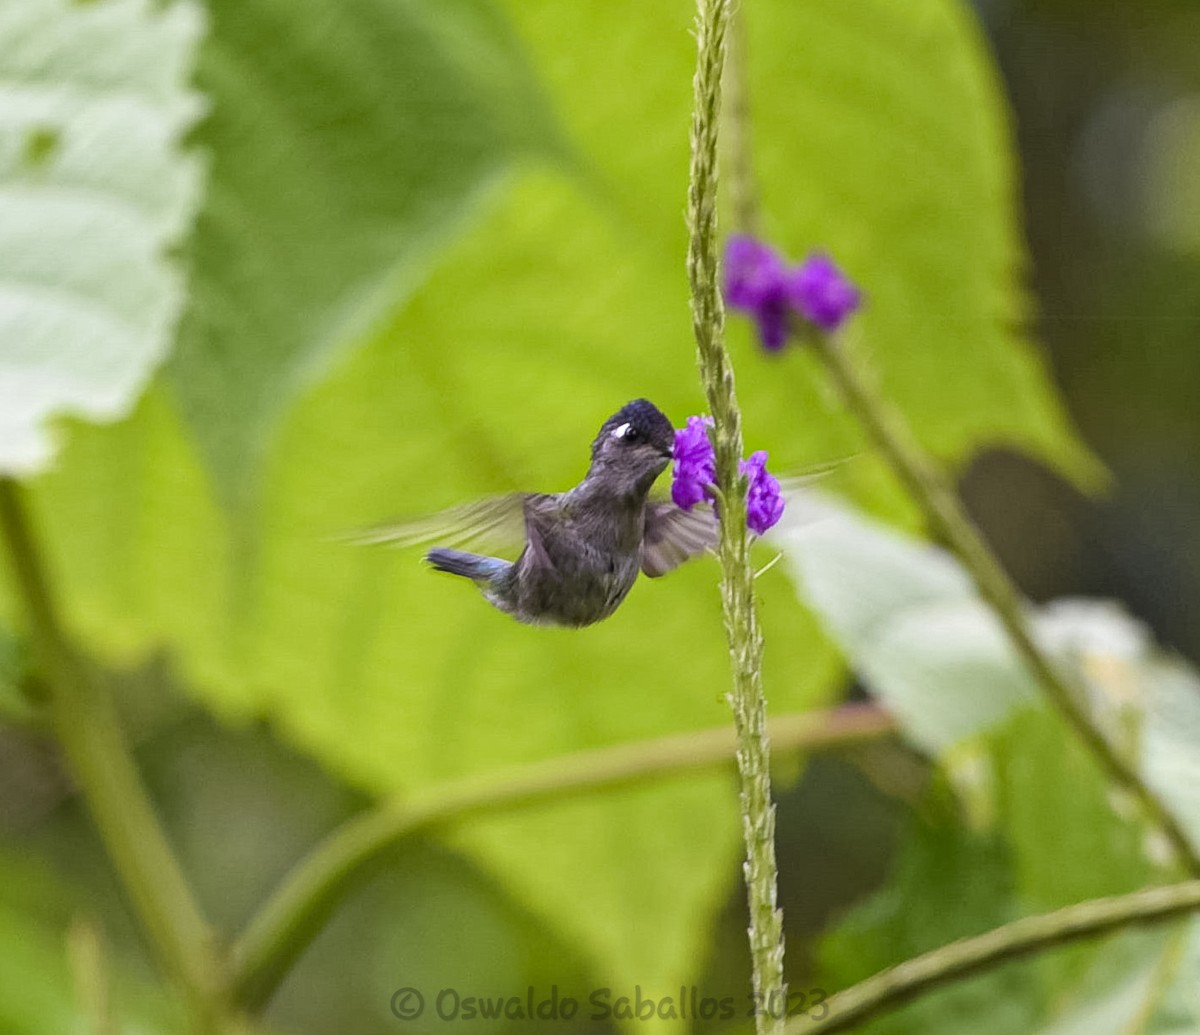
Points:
(289, 921)
(737, 583)
(894, 987)
(949, 520)
(85, 722)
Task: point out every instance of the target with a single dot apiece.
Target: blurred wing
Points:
(794, 481)
(494, 524)
(673, 535)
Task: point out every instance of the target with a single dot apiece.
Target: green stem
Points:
(950, 522)
(894, 987)
(285, 926)
(86, 725)
(737, 583)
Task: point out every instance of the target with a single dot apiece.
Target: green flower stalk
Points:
(737, 584)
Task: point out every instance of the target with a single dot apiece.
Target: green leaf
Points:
(1179, 1008)
(912, 624)
(1055, 810)
(40, 982)
(908, 619)
(1133, 976)
(924, 643)
(949, 883)
(348, 142)
(15, 704)
(94, 191)
(882, 137)
(952, 882)
(1171, 746)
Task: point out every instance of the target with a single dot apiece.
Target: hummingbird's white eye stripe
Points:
(620, 432)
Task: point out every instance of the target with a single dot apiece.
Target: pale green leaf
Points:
(1171, 744)
(94, 190)
(1126, 988)
(926, 646)
(1179, 1009)
(348, 140)
(908, 619)
(1146, 701)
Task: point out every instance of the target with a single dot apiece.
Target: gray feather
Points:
(673, 535)
(492, 524)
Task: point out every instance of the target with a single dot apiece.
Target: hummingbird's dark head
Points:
(633, 447)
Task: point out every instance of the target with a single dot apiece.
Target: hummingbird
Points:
(581, 550)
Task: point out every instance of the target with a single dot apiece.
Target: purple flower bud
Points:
(764, 504)
(695, 463)
(821, 293)
(774, 321)
(756, 282)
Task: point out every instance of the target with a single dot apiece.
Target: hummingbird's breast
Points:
(589, 561)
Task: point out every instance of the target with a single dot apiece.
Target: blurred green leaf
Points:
(1068, 839)
(926, 646)
(1179, 1008)
(1058, 809)
(15, 705)
(1170, 751)
(909, 620)
(1127, 986)
(40, 985)
(348, 142)
(949, 883)
(94, 190)
(881, 136)
(914, 628)
(35, 983)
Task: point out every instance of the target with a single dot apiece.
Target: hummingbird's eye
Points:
(627, 433)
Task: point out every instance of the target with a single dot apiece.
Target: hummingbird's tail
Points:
(470, 565)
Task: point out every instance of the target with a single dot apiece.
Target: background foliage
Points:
(436, 244)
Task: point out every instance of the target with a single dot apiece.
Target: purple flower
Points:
(696, 470)
(764, 504)
(821, 293)
(695, 463)
(756, 282)
(759, 282)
